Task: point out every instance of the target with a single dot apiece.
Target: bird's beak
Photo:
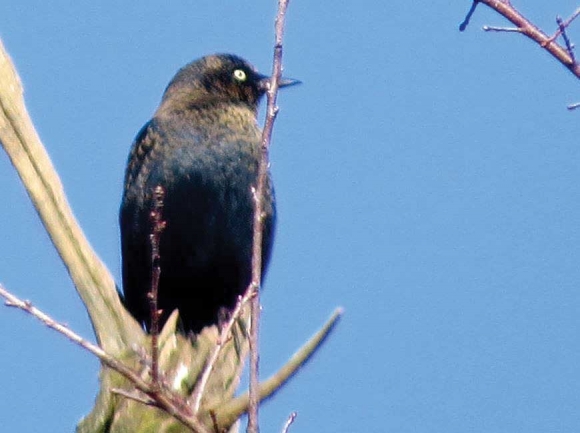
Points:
(287, 82)
(283, 82)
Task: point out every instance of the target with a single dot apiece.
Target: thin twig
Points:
(569, 47)
(564, 25)
(157, 226)
(501, 29)
(13, 301)
(572, 18)
(271, 112)
(289, 422)
(470, 12)
(225, 332)
(163, 400)
(133, 396)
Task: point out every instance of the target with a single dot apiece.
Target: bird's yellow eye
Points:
(240, 75)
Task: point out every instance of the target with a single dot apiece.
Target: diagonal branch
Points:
(527, 28)
(228, 413)
(159, 398)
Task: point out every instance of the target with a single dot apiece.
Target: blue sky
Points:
(427, 181)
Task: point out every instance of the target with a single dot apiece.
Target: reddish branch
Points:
(522, 25)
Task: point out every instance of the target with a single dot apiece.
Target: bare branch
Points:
(163, 399)
(271, 112)
(13, 301)
(524, 26)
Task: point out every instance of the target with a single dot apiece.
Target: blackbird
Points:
(202, 146)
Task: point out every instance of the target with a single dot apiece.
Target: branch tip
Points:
(467, 18)
(289, 422)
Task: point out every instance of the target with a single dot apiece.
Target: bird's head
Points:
(220, 78)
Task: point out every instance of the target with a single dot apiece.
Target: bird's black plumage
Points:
(202, 146)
